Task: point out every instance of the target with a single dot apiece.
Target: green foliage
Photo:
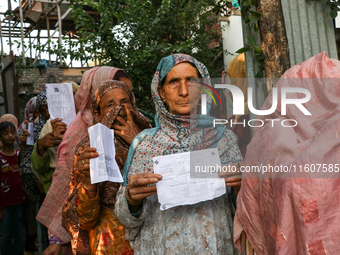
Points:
(137, 34)
(251, 18)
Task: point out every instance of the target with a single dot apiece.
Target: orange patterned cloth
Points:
(106, 233)
(80, 222)
(51, 210)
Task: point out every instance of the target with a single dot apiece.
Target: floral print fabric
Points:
(106, 235)
(29, 109)
(203, 228)
(82, 226)
(28, 178)
(51, 210)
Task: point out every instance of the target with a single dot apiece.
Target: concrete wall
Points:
(232, 36)
(232, 41)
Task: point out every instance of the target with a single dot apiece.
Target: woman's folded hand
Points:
(138, 185)
(127, 129)
(232, 178)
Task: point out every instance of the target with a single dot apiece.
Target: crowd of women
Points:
(52, 177)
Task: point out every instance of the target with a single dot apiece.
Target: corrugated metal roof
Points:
(309, 28)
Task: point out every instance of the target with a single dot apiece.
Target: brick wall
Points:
(31, 82)
(33, 76)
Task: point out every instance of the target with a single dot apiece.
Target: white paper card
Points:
(104, 167)
(337, 21)
(178, 188)
(60, 102)
(30, 138)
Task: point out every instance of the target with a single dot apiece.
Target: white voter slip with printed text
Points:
(178, 188)
(104, 167)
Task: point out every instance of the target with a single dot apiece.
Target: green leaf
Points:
(246, 3)
(335, 8)
(256, 14)
(251, 40)
(259, 57)
(334, 13)
(261, 64)
(244, 49)
(253, 18)
(244, 11)
(259, 74)
(258, 50)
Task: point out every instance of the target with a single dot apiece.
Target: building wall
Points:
(232, 37)
(232, 41)
(32, 81)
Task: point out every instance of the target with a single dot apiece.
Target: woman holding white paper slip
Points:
(203, 228)
(88, 213)
(51, 210)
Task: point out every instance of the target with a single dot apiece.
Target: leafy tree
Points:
(135, 35)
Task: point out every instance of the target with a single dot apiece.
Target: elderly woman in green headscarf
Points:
(203, 228)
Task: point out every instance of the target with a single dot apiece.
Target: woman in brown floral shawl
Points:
(88, 213)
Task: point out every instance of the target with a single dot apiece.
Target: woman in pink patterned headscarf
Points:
(50, 211)
(31, 109)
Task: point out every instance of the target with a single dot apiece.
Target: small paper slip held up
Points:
(177, 188)
(30, 138)
(60, 102)
(104, 167)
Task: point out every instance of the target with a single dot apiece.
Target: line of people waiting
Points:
(76, 216)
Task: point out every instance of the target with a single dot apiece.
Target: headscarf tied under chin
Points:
(107, 190)
(106, 87)
(175, 133)
(29, 109)
(50, 213)
(41, 100)
(91, 80)
(28, 178)
(9, 118)
(30, 106)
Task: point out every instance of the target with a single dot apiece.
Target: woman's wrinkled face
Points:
(112, 99)
(177, 93)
